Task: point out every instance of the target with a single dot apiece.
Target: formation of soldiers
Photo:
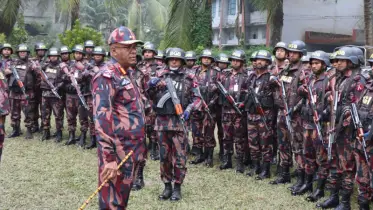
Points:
(312, 113)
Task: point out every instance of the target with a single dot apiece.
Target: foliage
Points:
(80, 34)
(35, 28)
(2, 38)
(202, 32)
(19, 34)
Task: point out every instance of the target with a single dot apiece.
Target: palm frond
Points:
(10, 12)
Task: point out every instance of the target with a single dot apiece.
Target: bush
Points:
(2, 38)
(19, 34)
(79, 34)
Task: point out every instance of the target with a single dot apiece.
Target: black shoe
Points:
(283, 178)
(240, 167)
(71, 140)
(139, 182)
(227, 162)
(167, 192)
(306, 187)
(29, 134)
(176, 194)
(319, 192)
(256, 168)
(92, 144)
(200, 157)
(194, 151)
(300, 180)
(15, 133)
(58, 136)
(154, 151)
(83, 136)
(266, 171)
(247, 159)
(221, 154)
(209, 157)
(46, 135)
(363, 203)
(345, 203)
(331, 202)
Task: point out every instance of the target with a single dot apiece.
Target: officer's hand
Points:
(79, 65)
(7, 71)
(154, 81)
(161, 84)
(110, 171)
(186, 115)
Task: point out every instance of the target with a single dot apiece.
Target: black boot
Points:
(83, 136)
(283, 178)
(71, 140)
(256, 168)
(194, 151)
(58, 136)
(300, 180)
(209, 157)
(16, 132)
(139, 182)
(46, 135)
(92, 144)
(227, 162)
(319, 192)
(247, 159)
(221, 154)
(35, 127)
(176, 194)
(331, 202)
(29, 134)
(306, 187)
(266, 171)
(167, 192)
(199, 157)
(240, 167)
(155, 147)
(345, 203)
(363, 203)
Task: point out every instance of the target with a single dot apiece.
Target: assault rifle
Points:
(229, 98)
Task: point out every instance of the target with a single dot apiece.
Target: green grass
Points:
(46, 175)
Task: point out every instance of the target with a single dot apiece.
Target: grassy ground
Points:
(46, 175)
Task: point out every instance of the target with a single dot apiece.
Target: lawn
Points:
(46, 175)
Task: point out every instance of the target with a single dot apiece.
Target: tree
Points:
(8, 15)
(275, 17)
(368, 24)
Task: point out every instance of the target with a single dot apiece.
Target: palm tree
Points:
(8, 14)
(368, 24)
(275, 17)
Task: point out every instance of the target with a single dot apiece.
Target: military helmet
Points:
(320, 55)
(148, 46)
(40, 46)
(207, 53)
(222, 58)
(347, 53)
(332, 56)
(98, 50)
(22, 48)
(253, 55)
(89, 43)
(297, 46)
(238, 55)
(190, 55)
(65, 49)
(359, 53)
(279, 45)
(53, 51)
(78, 48)
(160, 54)
(123, 35)
(263, 54)
(6, 45)
(175, 53)
(305, 58)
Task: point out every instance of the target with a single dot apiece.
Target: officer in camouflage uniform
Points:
(65, 55)
(190, 61)
(50, 102)
(119, 119)
(306, 61)
(260, 135)
(315, 153)
(172, 139)
(19, 100)
(202, 126)
(159, 58)
(89, 45)
(288, 142)
(234, 124)
(5, 51)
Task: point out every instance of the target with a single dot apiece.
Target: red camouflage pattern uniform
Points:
(4, 100)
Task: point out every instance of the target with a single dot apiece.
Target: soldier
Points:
(99, 55)
(260, 131)
(203, 126)
(51, 101)
(306, 61)
(65, 55)
(315, 154)
(235, 83)
(290, 142)
(159, 58)
(190, 58)
(169, 127)
(119, 120)
(89, 45)
(5, 51)
(22, 93)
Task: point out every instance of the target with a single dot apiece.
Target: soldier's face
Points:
(342, 64)
(222, 65)
(206, 61)
(98, 58)
(65, 56)
(236, 64)
(40, 53)
(316, 66)
(6, 52)
(280, 53)
(334, 63)
(148, 54)
(78, 56)
(307, 65)
(125, 54)
(294, 57)
(89, 50)
(190, 63)
(174, 63)
(53, 58)
(22, 55)
(159, 61)
(261, 63)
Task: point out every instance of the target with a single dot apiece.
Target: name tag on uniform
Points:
(286, 79)
(235, 88)
(49, 70)
(76, 74)
(366, 100)
(21, 67)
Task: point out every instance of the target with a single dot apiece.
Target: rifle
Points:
(359, 128)
(229, 98)
(258, 107)
(18, 80)
(177, 104)
(287, 117)
(204, 103)
(333, 118)
(46, 79)
(314, 111)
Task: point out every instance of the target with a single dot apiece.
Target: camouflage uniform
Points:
(4, 100)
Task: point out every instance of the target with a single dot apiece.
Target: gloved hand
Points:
(154, 81)
(186, 115)
(366, 135)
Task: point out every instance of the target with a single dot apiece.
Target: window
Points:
(213, 9)
(231, 35)
(232, 7)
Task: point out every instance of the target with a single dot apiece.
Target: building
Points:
(321, 24)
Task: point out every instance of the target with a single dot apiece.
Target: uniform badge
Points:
(359, 87)
(366, 100)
